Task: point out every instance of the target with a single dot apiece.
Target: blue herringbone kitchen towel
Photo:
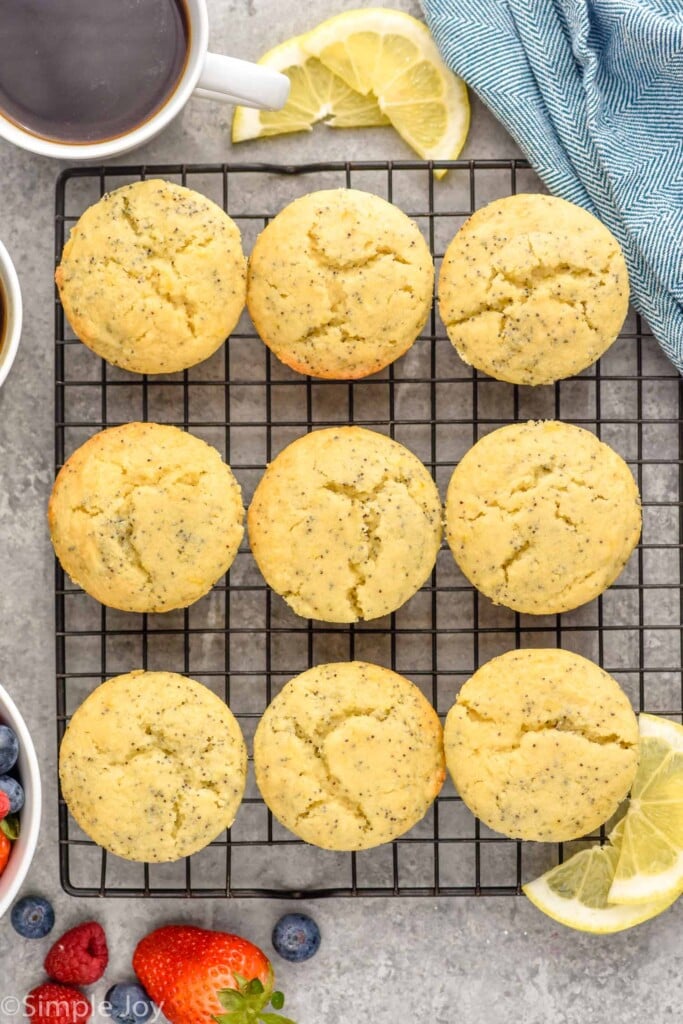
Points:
(592, 90)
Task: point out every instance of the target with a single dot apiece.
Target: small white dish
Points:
(29, 773)
(10, 322)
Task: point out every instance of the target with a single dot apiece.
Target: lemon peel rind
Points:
(607, 921)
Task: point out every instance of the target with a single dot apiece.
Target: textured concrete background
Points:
(480, 960)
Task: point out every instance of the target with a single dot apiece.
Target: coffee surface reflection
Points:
(89, 70)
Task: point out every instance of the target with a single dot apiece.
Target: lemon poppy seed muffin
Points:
(349, 755)
(542, 745)
(340, 284)
(146, 517)
(542, 517)
(153, 766)
(533, 289)
(153, 277)
(345, 524)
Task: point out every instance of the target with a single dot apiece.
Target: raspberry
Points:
(80, 957)
(57, 1004)
(4, 805)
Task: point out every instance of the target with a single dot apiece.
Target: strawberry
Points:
(57, 1004)
(80, 957)
(5, 847)
(198, 977)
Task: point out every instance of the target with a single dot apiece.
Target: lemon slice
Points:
(391, 56)
(316, 94)
(575, 893)
(651, 862)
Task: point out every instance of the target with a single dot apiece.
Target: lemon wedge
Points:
(575, 893)
(316, 94)
(390, 56)
(651, 862)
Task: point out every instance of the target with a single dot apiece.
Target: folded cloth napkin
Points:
(592, 91)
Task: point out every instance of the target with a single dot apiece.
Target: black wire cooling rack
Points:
(242, 640)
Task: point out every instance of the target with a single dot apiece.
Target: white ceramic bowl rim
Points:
(9, 283)
(25, 846)
(199, 43)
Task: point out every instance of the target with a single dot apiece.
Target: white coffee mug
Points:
(10, 322)
(210, 75)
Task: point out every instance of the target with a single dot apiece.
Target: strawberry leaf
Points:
(245, 1004)
(10, 826)
(230, 999)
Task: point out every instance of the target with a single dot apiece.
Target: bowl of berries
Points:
(20, 800)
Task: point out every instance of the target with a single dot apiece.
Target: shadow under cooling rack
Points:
(243, 642)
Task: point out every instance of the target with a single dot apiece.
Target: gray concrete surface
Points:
(477, 960)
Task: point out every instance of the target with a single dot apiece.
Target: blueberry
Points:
(14, 792)
(296, 937)
(33, 917)
(128, 1003)
(9, 749)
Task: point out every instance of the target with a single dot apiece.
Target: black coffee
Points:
(2, 318)
(89, 70)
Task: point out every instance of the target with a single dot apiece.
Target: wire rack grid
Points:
(243, 642)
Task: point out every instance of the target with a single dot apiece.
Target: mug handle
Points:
(231, 80)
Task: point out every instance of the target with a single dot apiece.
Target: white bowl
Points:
(11, 299)
(23, 849)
